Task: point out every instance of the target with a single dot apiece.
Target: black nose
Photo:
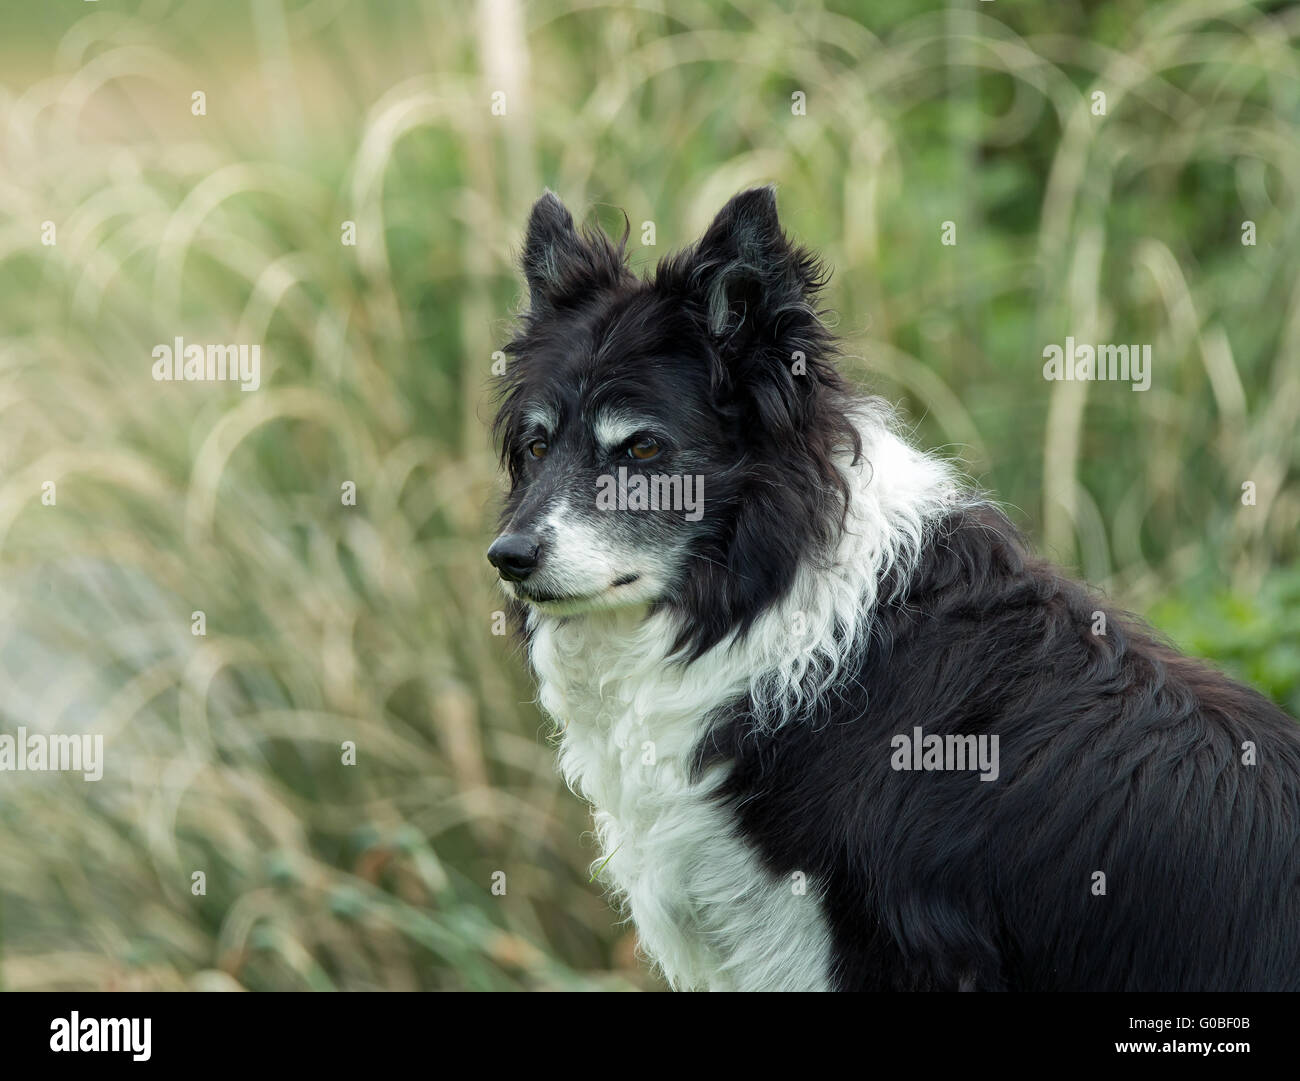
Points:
(514, 555)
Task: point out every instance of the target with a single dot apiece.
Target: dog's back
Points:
(1143, 832)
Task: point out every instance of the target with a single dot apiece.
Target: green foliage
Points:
(1254, 636)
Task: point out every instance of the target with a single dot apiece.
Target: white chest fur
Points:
(706, 911)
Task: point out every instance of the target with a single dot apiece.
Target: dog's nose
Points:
(514, 555)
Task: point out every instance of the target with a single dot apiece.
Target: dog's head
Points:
(670, 441)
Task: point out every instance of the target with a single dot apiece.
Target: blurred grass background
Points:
(373, 622)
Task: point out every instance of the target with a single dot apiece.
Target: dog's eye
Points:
(643, 449)
(538, 448)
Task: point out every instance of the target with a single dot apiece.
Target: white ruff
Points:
(707, 912)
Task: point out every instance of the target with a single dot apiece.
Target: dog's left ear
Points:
(561, 264)
(754, 286)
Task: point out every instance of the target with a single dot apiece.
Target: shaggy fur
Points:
(730, 690)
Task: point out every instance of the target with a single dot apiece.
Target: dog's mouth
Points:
(541, 596)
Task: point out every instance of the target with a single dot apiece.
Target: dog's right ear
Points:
(562, 265)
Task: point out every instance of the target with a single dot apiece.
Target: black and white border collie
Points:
(839, 728)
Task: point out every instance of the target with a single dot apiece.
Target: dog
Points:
(839, 728)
